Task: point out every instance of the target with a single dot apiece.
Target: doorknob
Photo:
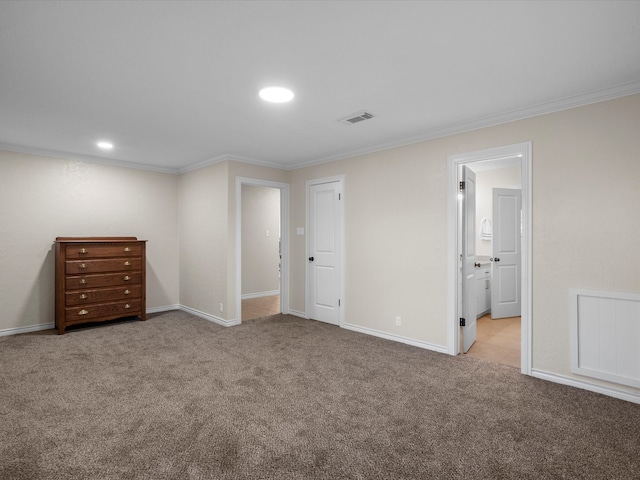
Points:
(494, 259)
(311, 259)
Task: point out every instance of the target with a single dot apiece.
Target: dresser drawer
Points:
(103, 280)
(102, 295)
(114, 310)
(75, 267)
(93, 250)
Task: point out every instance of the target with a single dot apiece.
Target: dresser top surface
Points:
(97, 239)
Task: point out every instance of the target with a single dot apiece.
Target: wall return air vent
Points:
(357, 118)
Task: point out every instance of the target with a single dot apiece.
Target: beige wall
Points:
(245, 170)
(207, 211)
(204, 232)
(586, 189)
(395, 240)
(260, 253)
(42, 198)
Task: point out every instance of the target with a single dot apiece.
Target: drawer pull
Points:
(127, 292)
(83, 265)
(83, 312)
(127, 249)
(83, 296)
(83, 251)
(127, 263)
(127, 306)
(127, 278)
(83, 281)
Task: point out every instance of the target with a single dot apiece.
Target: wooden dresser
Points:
(98, 279)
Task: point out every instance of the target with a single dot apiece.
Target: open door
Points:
(507, 258)
(468, 254)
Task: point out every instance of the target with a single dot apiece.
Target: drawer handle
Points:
(83, 265)
(83, 296)
(83, 312)
(127, 249)
(127, 306)
(127, 292)
(83, 281)
(127, 278)
(83, 251)
(127, 263)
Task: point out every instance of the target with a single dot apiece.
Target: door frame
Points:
(284, 240)
(341, 243)
(523, 151)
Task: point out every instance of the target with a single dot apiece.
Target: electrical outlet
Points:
(221, 307)
(398, 321)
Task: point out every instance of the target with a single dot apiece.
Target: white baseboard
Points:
(395, 338)
(297, 314)
(592, 387)
(270, 293)
(211, 318)
(166, 308)
(31, 328)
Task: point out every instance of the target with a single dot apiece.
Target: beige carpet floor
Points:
(177, 397)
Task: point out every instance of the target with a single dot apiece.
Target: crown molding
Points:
(566, 103)
(543, 108)
(9, 147)
(232, 158)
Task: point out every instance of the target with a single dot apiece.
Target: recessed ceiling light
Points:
(276, 94)
(105, 145)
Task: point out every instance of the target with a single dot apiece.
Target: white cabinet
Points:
(483, 289)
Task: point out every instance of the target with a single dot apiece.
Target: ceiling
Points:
(174, 85)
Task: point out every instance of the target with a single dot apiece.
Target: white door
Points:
(506, 259)
(468, 253)
(325, 224)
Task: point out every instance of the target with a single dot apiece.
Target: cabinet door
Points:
(487, 292)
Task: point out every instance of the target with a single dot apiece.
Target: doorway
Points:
(518, 156)
(497, 262)
(261, 248)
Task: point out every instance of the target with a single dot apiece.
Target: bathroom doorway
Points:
(495, 339)
(498, 334)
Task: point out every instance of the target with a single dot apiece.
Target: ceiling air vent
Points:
(358, 117)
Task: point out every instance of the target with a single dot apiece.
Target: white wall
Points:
(260, 252)
(42, 198)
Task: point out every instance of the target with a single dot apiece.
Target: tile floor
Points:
(260, 307)
(498, 340)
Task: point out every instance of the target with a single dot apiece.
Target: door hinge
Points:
(463, 322)
(339, 196)
(338, 302)
(461, 186)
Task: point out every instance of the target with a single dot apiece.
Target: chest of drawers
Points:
(98, 279)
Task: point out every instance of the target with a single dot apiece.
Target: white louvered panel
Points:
(606, 335)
